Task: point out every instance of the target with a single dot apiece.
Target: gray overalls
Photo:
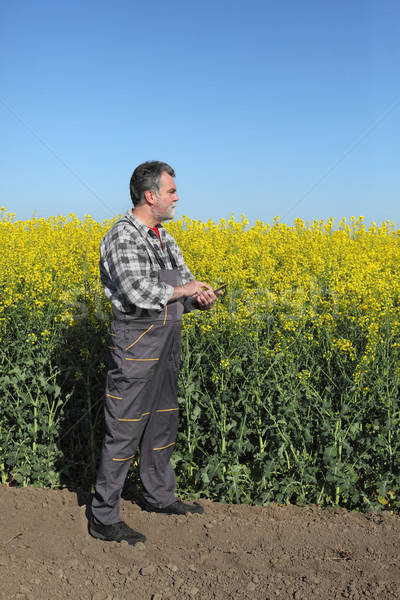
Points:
(141, 406)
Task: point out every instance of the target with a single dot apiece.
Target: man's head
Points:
(146, 177)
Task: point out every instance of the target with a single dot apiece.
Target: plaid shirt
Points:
(129, 268)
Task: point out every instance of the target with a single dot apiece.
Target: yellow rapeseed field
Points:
(311, 273)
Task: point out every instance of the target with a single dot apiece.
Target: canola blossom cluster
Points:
(306, 332)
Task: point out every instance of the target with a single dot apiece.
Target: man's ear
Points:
(150, 197)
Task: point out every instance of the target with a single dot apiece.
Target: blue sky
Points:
(262, 108)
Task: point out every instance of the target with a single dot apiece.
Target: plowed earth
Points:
(229, 552)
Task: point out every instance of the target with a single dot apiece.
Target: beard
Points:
(162, 213)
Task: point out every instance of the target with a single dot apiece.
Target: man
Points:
(145, 277)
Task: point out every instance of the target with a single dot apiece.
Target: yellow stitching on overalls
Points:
(135, 420)
(142, 359)
(122, 459)
(163, 448)
(165, 318)
(116, 397)
(140, 336)
(166, 409)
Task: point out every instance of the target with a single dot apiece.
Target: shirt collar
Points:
(140, 226)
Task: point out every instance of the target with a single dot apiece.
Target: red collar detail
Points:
(156, 231)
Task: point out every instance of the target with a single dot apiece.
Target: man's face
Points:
(167, 198)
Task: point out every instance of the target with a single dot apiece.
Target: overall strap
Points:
(171, 257)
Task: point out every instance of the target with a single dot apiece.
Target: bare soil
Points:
(229, 552)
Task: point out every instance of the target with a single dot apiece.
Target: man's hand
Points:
(195, 288)
(192, 288)
(207, 298)
(200, 291)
